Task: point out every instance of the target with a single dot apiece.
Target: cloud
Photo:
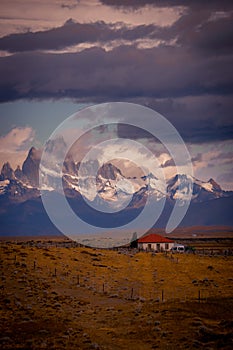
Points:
(14, 145)
(202, 25)
(197, 158)
(193, 91)
(72, 33)
(192, 29)
(202, 118)
(17, 139)
(128, 3)
(167, 3)
(213, 159)
(186, 74)
(201, 31)
(26, 15)
(123, 72)
(226, 177)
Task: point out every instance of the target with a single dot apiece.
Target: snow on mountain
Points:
(3, 186)
(108, 190)
(87, 187)
(17, 191)
(206, 185)
(156, 186)
(179, 186)
(124, 185)
(106, 182)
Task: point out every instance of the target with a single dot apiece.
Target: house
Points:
(155, 242)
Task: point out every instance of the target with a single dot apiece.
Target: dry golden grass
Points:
(79, 298)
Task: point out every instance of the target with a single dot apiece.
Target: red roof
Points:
(153, 238)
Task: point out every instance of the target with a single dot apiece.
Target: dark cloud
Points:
(198, 118)
(193, 91)
(197, 158)
(206, 26)
(69, 6)
(215, 4)
(168, 163)
(193, 30)
(128, 3)
(72, 33)
(190, 82)
(124, 72)
(198, 31)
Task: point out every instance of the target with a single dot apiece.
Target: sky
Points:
(174, 56)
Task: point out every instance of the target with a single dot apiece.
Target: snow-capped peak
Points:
(201, 190)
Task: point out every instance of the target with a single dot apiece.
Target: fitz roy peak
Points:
(22, 211)
(109, 181)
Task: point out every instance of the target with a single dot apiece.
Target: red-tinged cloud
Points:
(14, 145)
(196, 30)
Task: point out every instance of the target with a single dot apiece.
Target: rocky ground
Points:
(79, 298)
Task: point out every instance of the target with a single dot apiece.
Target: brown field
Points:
(54, 297)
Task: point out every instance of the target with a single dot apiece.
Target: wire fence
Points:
(203, 291)
(128, 288)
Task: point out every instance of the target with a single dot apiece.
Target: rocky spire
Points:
(7, 172)
(215, 185)
(20, 175)
(31, 166)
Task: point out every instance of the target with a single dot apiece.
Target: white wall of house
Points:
(155, 246)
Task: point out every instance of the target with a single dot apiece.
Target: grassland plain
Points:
(80, 298)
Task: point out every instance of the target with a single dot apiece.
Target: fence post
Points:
(199, 296)
(132, 293)
(162, 294)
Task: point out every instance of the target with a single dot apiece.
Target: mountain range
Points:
(22, 211)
